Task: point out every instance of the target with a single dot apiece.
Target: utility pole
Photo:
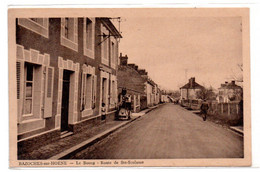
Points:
(186, 70)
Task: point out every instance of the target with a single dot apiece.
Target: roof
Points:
(230, 86)
(195, 85)
(111, 27)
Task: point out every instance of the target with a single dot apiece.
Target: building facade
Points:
(229, 92)
(144, 90)
(130, 79)
(66, 68)
(190, 90)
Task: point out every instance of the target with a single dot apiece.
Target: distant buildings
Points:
(229, 92)
(190, 90)
(144, 91)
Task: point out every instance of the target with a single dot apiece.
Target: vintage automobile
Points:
(124, 108)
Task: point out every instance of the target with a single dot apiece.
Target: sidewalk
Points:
(238, 129)
(68, 145)
(144, 111)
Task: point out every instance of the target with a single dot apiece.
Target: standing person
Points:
(204, 108)
(103, 111)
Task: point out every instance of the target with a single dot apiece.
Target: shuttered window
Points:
(18, 78)
(87, 91)
(48, 93)
(28, 88)
(49, 84)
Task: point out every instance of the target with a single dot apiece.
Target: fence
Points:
(230, 111)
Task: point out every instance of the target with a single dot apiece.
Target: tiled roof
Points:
(195, 85)
(230, 86)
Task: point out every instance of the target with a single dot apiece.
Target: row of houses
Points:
(227, 101)
(227, 92)
(66, 69)
(143, 90)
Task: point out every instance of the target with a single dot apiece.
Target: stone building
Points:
(189, 90)
(65, 68)
(144, 91)
(229, 92)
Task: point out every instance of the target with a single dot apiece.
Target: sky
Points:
(173, 49)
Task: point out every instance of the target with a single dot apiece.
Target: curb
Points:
(233, 129)
(237, 130)
(69, 152)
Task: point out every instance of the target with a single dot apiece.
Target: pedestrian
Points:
(204, 108)
(103, 112)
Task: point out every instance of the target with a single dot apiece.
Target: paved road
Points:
(169, 131)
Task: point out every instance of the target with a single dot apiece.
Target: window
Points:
(28, 89)
(89, 34)
(66, 27)
(88, 95)
(105, 48)
(104, 45)
(113, 58)
(87, 91)
(113, 91)
(38, 20)
(37, 25)
(69, 33)
(69, 28)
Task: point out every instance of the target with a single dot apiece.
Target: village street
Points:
(169, 131)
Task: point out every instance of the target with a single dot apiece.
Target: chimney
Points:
(192, 81)
(142, 72)
(131, 65)
(136, 67)
(123, 60)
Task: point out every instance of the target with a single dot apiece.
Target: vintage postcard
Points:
(100, 87)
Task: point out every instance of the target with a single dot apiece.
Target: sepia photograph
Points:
(129, 87)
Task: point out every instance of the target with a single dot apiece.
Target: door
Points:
(65, 101)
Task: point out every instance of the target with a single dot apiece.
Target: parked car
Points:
(124, 109)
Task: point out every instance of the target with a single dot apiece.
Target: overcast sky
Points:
(207, 48)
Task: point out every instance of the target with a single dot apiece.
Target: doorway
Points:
(65, 101)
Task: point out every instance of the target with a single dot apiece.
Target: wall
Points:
(52, 46)
(228, 111)
(130, 79)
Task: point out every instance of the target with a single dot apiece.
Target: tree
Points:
(174, 93)
(206, 93)
(237, 75)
